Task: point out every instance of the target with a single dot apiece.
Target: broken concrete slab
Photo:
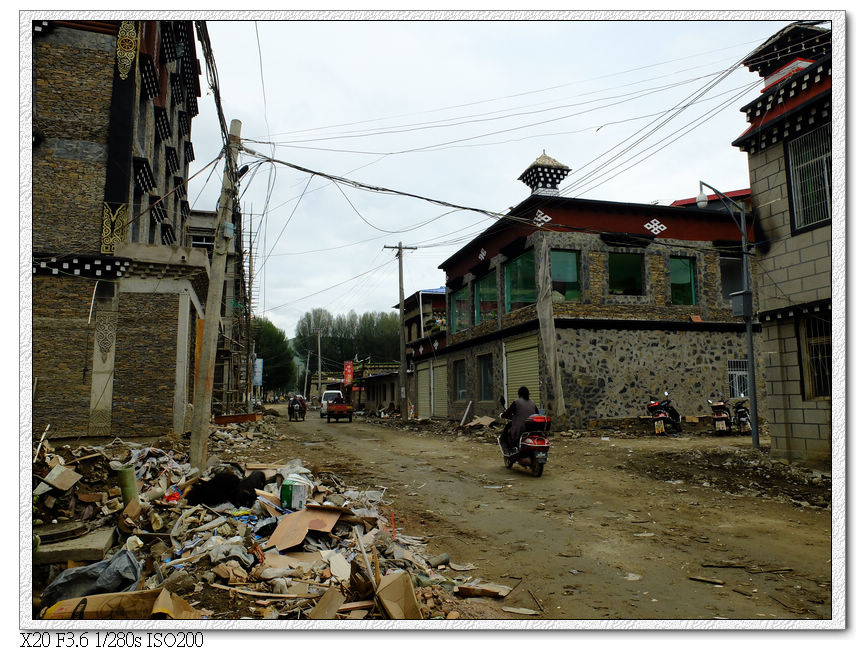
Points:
(89, 548)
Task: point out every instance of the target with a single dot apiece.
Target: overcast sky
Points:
(456, 111)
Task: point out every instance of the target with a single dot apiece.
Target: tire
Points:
(509, 463)
(320, 415)
(328, 419)
(349, 418)
(537, 468)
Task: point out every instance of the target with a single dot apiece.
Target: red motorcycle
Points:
(534, 446)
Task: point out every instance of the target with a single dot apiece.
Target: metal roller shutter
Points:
(522, 367)
(423, 390)
(440, 389)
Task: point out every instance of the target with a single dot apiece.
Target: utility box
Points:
(742, 303)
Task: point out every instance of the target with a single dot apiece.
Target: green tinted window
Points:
(626, 274)
(565, 275)
(486, 298)
(485, 372)
(682, 281)
(460, 310)
(520, 282)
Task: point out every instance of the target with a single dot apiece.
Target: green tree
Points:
(271, 344)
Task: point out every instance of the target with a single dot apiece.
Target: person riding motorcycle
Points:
(518, 412)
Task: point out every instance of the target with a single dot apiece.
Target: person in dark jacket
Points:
(518, 412)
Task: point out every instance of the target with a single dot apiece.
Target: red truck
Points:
(337, 408)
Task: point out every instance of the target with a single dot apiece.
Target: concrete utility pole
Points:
(403, 371)
(305, 375)
(213, 308)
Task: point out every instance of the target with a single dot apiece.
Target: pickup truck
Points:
(336, 411)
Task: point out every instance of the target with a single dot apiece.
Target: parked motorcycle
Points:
(534, 447)
(742, 415)
(665, 417)
(721, 415)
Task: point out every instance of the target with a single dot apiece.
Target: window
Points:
(731, 276)
(816, 352)
(460, 310)
(460, 380)
(520, 282)
(485, 375)
(682, 281)
(626, 274)
(565, 275)
(486, 298)
(810, 161)
(737, 377)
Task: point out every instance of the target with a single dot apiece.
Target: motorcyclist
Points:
(518, 412)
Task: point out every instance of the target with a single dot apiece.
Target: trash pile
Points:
(127, 531)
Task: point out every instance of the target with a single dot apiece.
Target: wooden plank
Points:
(328, 605)
(482, 590)
(711, 581)
(263, 594)
(360, 604)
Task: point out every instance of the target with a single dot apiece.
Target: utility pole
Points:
(212, 312)
(305, 375)
(318, 339)
(403, 371)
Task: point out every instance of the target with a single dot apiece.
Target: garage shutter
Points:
(440, 389)
(522, 367)
(423, 393)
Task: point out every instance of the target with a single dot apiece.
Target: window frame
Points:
(794, 180)
(578, 259)
(459, 372)
(454, 313)
(692, 268)
(808, 374)
(482, 395)
(529, 254)
(641, 256)
(481, 316)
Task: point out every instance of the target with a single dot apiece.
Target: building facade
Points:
(789, 147)
(592, 305)
(425, 323)
(116, 289)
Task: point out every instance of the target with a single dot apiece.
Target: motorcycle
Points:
(665, 417)
(742, 415)
(534, 447)
(721, 415)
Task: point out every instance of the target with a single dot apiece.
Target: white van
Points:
(328, 396)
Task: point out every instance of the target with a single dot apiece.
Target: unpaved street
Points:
(596, 537)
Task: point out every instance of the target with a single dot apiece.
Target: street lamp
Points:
(743, 304)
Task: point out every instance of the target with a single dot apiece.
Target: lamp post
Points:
(745, 307)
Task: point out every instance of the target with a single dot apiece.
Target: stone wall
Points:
(71, 101)
(799, 428)
(145, 360)
(62, 355)
(798, 267)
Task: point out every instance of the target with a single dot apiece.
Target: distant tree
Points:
(271, 344)
(373, 335)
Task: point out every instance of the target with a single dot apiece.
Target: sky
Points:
(454, 110)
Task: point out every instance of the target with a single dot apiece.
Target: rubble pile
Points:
(309, 546)
(748, 472)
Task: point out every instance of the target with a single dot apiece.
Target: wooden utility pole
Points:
(318, 339)
(305, 375)
(403, 371)
(213, 308)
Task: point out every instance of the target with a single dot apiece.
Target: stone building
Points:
(592, 305)
(116, 289)
(425, 325)
(789, 147)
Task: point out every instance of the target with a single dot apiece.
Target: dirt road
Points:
(596, 537)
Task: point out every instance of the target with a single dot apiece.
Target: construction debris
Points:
(308, 547)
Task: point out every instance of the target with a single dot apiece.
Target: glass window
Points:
(626, 274)
(486, 298)
(520, 282)
(810, 159)
(485, 374)
(460, 310)
(682, 281)
(460, 380)
(565, 275)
